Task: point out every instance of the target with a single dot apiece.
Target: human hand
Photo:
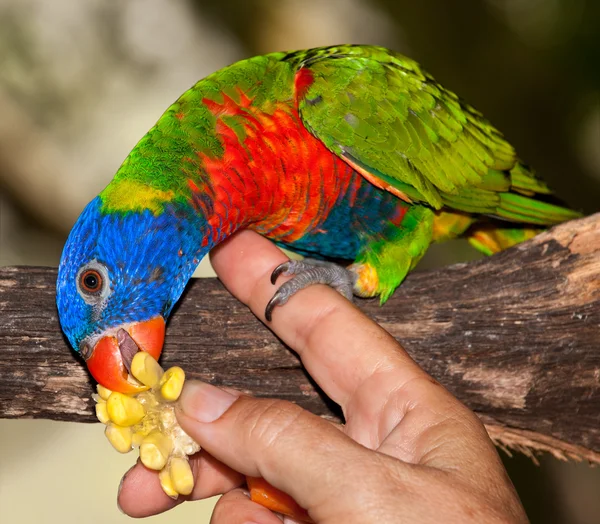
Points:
(409, 451)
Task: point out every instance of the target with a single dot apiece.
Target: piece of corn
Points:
(181, 475)
(155, 450)
(164, 476)
(103, 392)
(146, 369)
(102, 412)
(147, 420)
(124, 410)
(172, 383)
(119, 437)
(137, 439)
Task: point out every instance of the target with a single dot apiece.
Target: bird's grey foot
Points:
(306, 273)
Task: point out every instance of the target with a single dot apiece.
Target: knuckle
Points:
(269, 423)
(222, 510)
(308, 332)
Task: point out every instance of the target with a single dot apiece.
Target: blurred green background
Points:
(82, 81)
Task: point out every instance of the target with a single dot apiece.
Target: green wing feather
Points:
(385, 116)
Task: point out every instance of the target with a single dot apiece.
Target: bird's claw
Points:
(306, 273)
(277, 300)
(281, 269)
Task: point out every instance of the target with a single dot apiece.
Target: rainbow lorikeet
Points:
(345, 152)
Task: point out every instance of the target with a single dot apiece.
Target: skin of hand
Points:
(408, 452)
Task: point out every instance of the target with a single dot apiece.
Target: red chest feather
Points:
(273, 176)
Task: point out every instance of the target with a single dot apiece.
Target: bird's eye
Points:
(91, 281)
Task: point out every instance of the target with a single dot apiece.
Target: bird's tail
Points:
(530, 201)
(490, 239)
(487, 236)
(529, 210)
(525, 200)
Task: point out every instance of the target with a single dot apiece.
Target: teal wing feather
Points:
(390, 120)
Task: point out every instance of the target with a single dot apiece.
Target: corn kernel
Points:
(124, 410)
(147, 420)
(155, 450)
(172, 383)
(165, 483)
(137, 439)
(103, 392)
(181, 475)
(146, 369)
(119, 437)
(102, 413)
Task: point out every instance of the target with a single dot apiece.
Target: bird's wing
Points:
(400, 129)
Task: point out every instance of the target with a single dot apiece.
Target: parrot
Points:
(342, 153)
(347, 153)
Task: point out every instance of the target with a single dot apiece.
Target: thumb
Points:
(292, 449)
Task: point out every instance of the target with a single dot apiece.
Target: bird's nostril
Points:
(128, 348)
(86, 349)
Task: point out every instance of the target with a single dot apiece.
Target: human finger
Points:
(235, 507)
(343, 350)
(140, 493)
(292, 449)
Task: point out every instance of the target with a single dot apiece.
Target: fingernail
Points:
(204, 402)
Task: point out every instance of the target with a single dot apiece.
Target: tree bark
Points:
(514, 336)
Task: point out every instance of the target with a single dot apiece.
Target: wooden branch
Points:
(514, 336)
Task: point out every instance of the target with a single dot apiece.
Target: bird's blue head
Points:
(120, 275)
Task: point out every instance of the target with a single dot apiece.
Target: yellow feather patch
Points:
(367, 282)
(448, 225)
(130, 195)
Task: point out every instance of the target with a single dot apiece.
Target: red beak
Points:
(106, 362)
